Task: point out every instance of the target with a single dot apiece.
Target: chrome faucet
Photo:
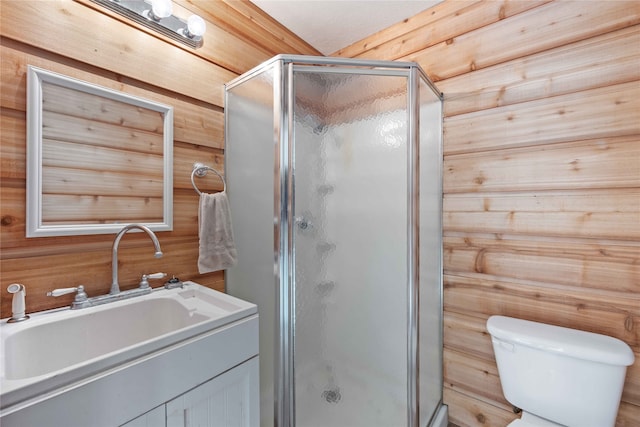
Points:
(115, 287)
(82, 300)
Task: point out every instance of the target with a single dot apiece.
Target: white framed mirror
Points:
(97, 159)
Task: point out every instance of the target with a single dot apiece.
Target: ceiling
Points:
(329, 25)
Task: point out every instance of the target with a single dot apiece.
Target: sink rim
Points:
(92, 316)
(16, 391)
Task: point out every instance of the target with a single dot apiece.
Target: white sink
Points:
(58, 347)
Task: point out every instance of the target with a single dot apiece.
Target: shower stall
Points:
(333, 169)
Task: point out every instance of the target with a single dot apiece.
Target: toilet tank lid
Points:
(556, 339)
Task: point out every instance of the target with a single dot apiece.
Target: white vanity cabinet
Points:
(228, 400)
(204, 375)
(155, 418)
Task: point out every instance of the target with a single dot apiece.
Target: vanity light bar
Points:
(156, 15)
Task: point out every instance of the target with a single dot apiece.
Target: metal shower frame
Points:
(284, 67)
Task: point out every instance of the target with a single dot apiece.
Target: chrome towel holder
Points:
(200, 170)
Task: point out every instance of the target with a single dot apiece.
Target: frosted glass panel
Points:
(430, 311)
(249, 157)
(350, 245)
(318, 158)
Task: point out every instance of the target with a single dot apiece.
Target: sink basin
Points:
(58, 347)
(63, 342)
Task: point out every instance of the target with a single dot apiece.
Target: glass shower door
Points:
(249, 175)
(350, 247)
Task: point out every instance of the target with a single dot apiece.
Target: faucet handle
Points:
(64, 291)
(144, 282)
(81, 300)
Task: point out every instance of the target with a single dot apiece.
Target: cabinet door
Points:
(228, 400)
(153, 418)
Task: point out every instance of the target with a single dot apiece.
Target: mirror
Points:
(97, 159)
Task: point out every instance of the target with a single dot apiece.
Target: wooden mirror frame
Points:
(135, 175)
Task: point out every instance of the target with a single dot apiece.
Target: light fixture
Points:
(195, 26)
(157, 15)
(161, 9)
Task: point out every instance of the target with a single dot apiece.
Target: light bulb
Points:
(196, 26)
(161, 8)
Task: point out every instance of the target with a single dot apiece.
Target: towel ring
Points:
(200, 170)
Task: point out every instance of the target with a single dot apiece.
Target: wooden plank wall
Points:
(542, 158)
(542, 176)
(82, 40)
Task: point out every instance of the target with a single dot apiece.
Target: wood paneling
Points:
(595, 62)
(468, 410)
(556, 119)
(475, 294)
(194, 122)
(441, 23)
(90, 37)
(545, 27)
(576, 262)
(576, 213)
(587, 164)
(542, 143)
(541, 177)
(84, 41)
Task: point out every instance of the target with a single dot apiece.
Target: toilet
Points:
(559, 376)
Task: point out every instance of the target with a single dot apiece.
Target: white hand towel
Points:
(217, 248)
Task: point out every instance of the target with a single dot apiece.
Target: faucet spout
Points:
(115, 287)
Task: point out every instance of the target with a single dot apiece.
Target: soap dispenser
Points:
(17, 305)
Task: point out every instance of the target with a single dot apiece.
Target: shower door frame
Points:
(284, 67)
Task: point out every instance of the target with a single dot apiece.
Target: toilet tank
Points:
(570, 377)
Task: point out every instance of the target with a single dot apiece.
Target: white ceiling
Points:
(330, 25)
